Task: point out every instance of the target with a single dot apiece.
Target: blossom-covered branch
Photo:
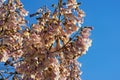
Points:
(51, 47)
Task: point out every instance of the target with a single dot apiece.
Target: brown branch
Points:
(11, 73)
(12, 63)
(2, 76)
(70, 39)
(59, 6)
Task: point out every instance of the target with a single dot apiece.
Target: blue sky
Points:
(102, 60)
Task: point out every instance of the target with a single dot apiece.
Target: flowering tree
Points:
(47, 50)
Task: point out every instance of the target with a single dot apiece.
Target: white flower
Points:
(33, 76)
(26, 14)
(1, 2)
(79, 25)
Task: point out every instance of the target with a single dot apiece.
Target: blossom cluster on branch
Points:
(50, 48)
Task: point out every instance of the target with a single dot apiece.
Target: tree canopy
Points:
(48, 49)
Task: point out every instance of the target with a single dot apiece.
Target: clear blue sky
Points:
(102, 61)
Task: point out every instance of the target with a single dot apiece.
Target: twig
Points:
(70, 39)
(59, 6)
(2, 76)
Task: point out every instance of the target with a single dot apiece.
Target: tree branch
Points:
(70, 39)
(59, 6)
(2, 76)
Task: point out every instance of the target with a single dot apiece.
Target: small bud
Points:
(89, 27)
(64, 3)
(79, 3)
(53, 5)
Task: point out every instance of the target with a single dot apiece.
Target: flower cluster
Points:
(11, 18)
(47, 49)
